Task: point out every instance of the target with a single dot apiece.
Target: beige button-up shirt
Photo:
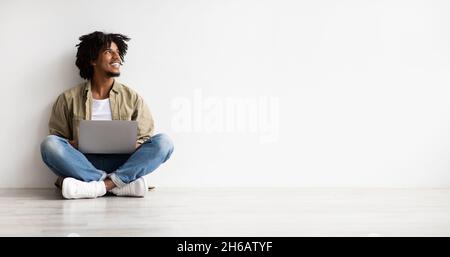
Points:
(75, 104)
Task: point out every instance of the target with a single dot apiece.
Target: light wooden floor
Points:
(230, 212)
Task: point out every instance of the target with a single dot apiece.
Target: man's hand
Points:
(74, 143)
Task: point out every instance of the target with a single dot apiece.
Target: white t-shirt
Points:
(101, 109)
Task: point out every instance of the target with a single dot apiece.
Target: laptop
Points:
(107, 136)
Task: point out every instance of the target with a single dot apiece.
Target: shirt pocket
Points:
(125, 113)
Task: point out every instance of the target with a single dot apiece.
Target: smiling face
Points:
(108, 61)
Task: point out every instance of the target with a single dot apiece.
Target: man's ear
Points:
(93, 62)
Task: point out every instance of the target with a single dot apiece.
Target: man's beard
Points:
(112, 74)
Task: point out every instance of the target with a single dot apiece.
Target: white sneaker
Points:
(75, 189)
(136, 188)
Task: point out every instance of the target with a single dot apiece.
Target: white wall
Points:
(349, 93)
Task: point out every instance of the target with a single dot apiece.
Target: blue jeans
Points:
(66, 161)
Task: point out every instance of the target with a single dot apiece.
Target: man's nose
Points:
(115, 55)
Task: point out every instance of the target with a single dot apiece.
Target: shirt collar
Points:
(115, 88)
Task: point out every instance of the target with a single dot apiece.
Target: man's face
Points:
(108, 61)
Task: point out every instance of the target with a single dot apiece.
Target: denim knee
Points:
(165, 145)
(52, 145)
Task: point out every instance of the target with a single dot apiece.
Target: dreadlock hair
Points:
(90, 47)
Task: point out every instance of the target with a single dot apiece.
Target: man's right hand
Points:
(74, 143)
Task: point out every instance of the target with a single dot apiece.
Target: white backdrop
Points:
(338, 93)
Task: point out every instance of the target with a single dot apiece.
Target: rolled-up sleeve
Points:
(144, 119)
(59, 119)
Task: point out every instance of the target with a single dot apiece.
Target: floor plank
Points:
(230, 212)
